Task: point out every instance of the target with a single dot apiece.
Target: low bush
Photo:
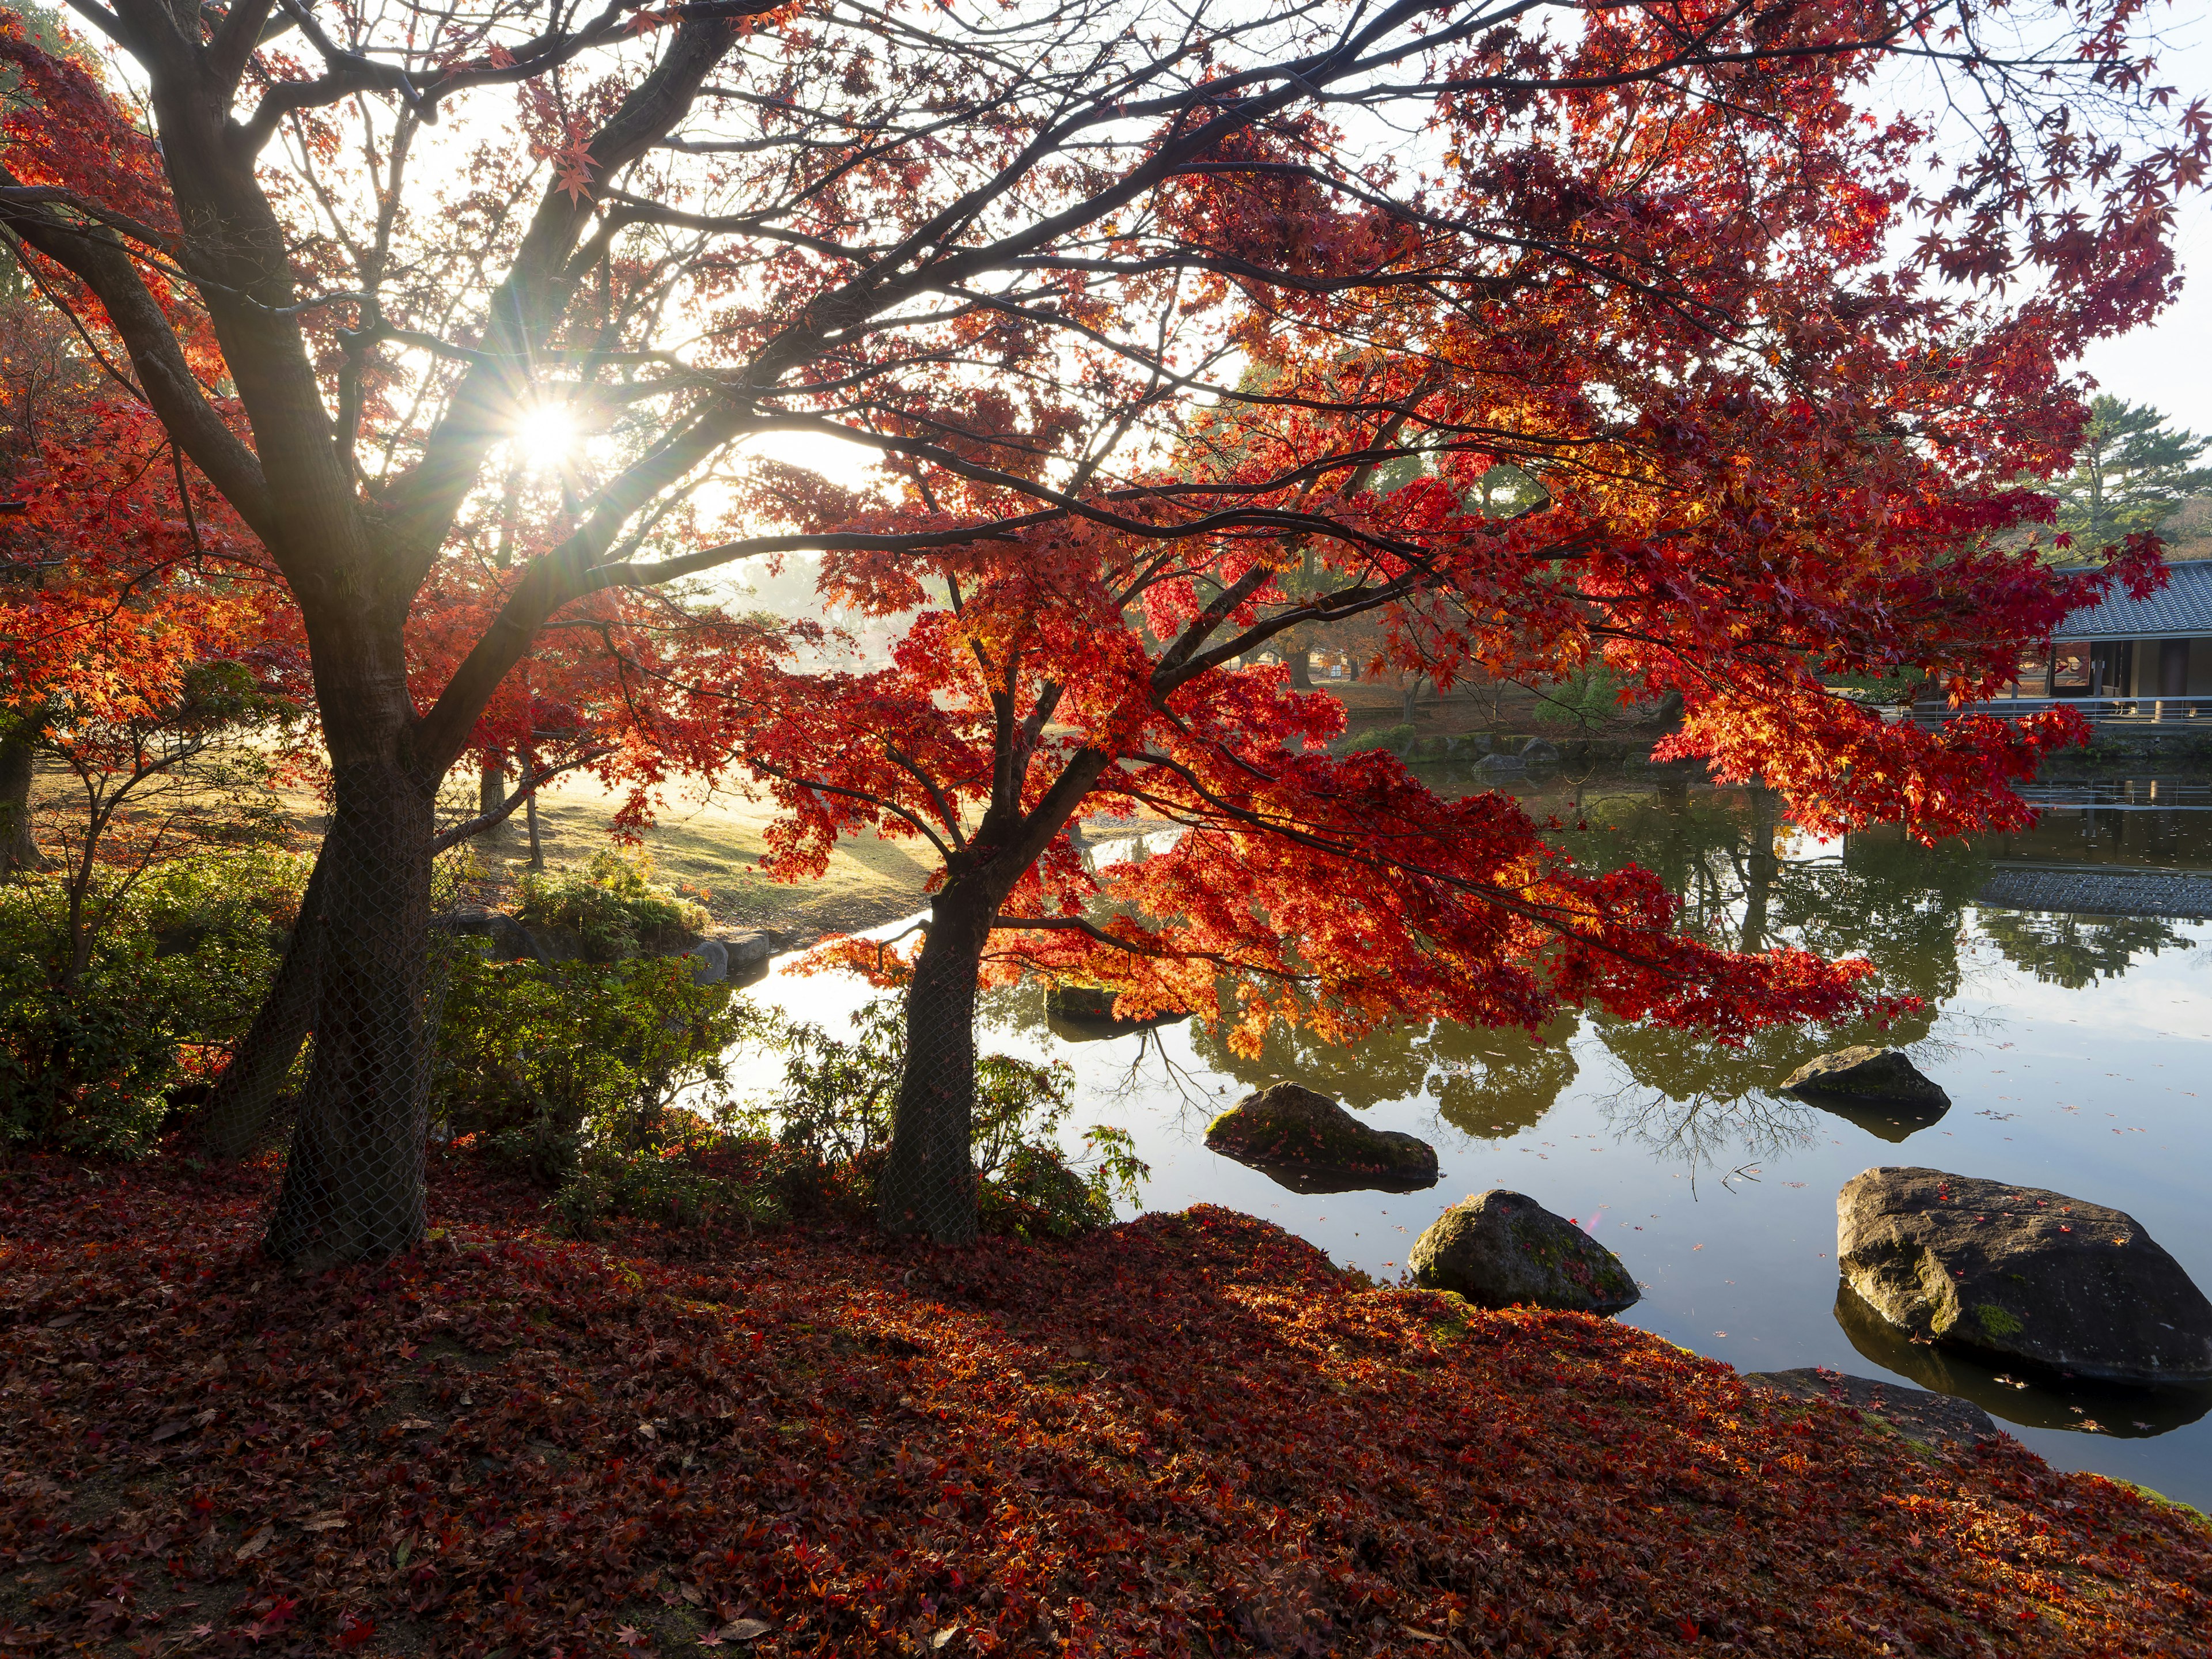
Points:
(88, 1056)
(1396, 739)
(543, 1060)
(613, 906)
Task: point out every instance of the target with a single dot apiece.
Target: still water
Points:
(2076, 1044)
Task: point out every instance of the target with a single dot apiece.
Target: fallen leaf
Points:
(254, 1546)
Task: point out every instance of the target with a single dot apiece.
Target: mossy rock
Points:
(2022, 1276)
(1503, 1249)
(1286, 1129)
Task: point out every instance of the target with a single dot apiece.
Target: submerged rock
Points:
(1310, 1144)
(1503, 1249)
(1915, 1413)
(2022, 1274)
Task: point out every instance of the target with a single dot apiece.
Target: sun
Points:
(546, 434)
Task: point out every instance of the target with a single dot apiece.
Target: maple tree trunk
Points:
(928, 1180)
(18, 849)
(1301, 656)
(353, 1181)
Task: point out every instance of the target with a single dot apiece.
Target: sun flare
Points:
(546, 434)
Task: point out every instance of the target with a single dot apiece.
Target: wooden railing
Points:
(2097, 711)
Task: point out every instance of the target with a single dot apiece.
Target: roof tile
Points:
(2184, 605)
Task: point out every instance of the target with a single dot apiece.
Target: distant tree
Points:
(2133, 470)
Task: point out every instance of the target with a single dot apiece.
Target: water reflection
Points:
(2060, 1080)
(2040, 1402)
(1749, 878)
(2075, 951)
(1493, 1085)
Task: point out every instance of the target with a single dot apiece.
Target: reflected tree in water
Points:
(2076, 951)
(1901, 905)
(1493, 1085)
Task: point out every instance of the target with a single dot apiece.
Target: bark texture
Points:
(19, 850)
(927, 1185)
(353, 1184)
(246, 1096)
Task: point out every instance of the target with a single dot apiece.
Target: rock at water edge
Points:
(2024, 1274)
(1504, 1249)
(1914, 1413)
(1869, 1076)
(710, 962)
(1286, 1127)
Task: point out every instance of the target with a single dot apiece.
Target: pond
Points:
(2068, 1013)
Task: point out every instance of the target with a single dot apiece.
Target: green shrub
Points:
(1396, 739)
(834, 1114)
(174, 979)
(1585, 701)
(683, 1185)
(613, 906)
(543, 1060)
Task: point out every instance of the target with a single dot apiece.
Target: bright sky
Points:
(2170, 364)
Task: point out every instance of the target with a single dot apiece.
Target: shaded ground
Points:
(1189, 1435)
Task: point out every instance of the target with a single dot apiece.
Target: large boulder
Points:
(2030, 1277)
(749, 954)
(1093, 1006)
(1503, 1249)
(710, 962)
(556, 942)
(1286, 1130)
(509, 939)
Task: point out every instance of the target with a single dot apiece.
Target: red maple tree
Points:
(1028, 262)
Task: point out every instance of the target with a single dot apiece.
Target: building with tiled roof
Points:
(2156, 647)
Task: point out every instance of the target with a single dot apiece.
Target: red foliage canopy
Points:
(1131, 303)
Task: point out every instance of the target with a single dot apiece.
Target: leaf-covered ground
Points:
(1189, 1435)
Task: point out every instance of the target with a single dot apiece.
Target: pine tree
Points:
(2133, 473)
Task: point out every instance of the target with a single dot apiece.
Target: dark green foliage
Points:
(2134, 469)
(544, 1060)
(834, 1114)
(1396, 739)
(173, 980)
(613, 906)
